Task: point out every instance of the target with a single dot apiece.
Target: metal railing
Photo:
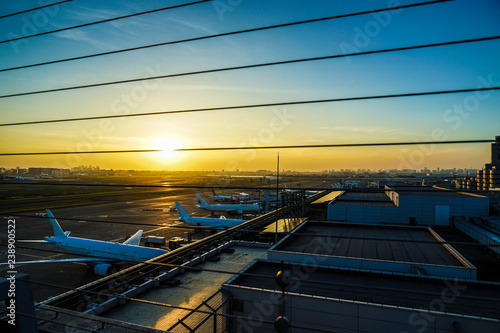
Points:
(215, 322)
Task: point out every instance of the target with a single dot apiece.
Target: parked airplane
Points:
(101, 255)
(244, 195)
(259, 177)
(219, 223)
(19, 177)
(218, 197)
(239, 208)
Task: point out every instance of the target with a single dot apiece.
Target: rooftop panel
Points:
(472, 298)
(400, 244)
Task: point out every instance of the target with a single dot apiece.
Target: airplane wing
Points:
(201, 227)
(135, 239)
(31, 241)
(195, 227)
(59, 261)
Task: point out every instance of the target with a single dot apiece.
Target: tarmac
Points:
(71, 275)
(194, 288)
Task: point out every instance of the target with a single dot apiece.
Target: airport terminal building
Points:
(406, 206)
(328, 299)
(363, 278)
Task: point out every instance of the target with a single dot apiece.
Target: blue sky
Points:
(453, 117)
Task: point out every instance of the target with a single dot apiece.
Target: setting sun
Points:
(167, 146)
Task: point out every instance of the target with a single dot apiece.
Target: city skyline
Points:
(35, 170)
(465, 116)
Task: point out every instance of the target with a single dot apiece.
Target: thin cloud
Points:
(233, 88)
(360, 129)
(82, 36)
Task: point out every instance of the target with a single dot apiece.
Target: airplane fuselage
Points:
(219, 223)
(222, 198)
(231, 208)
(107, 250)
(214, 222)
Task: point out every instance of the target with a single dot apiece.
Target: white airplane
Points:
(255, 177)
(275, 178)
(219, 223)
(19, 177)
(239, 208)
(218, 197)
(102, 255)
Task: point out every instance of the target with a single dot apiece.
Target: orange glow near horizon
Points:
(387, 158)
(168, 146)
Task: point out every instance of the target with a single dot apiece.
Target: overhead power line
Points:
(300, 234)
(33, 9)
(221, 314)
(85, 152)
(104, 21)
(218, 35)
(43, 320)
(225, 69)
(246, 274)
(133, 299)
(221, 272)
(203, 187)
(338, 145)
(220, 108)
(166, 305)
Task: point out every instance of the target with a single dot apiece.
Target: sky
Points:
(466, 116)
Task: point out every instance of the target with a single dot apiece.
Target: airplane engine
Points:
(240, 211)
(103, 269)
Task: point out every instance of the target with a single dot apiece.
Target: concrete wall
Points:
(306, 313)
(363, 214)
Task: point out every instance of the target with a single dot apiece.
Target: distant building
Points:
(45, 172)
(389, 182)
(406, 206)
(487, 178)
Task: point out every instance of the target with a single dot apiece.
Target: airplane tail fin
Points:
(135, 239)
(202, 202)
(183, 215)
(58, 232)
